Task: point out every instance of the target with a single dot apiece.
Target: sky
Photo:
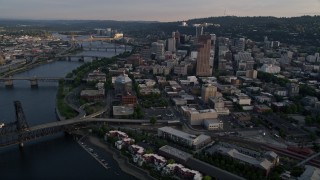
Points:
(154, 10)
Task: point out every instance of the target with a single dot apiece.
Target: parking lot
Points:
(161, 113)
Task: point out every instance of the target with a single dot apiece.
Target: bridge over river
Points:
(8, 81)
(19, 131)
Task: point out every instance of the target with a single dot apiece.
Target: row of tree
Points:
(236, 167)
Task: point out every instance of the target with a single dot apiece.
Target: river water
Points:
(56, 157)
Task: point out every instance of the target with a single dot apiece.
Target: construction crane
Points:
(199, 28)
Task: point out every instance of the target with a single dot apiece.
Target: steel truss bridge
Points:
(19, 132)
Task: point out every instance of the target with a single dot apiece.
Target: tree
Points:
(207, 178)
(282, 133)
(149, 151)
(297, 171)
(308, 120)
(170, 161)
(153, 120)
(139, 112)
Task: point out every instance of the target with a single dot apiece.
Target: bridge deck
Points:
(84, 120)
(308, 159)
(12, 137)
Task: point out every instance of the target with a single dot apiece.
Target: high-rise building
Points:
(108, 32)
(172, 44)
(208, 91)
(240, 44)
(146, 52)
(123, 85)
(176, 35)
(213, 39)
(157, 49)
(203, 58)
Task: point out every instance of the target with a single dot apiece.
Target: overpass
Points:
(89, 120)
(19, 131)
(8, 81)
(308, 159)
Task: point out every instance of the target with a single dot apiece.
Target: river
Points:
(56, 157)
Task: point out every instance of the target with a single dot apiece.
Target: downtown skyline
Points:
(152, 10)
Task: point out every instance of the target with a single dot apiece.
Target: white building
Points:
(194, 55)
(243, 99)
(281, 92)
(184, 138)
(213, 124)
(196, 117)
(270, 68)
(96, 75)
(310, 173)
(193, 79)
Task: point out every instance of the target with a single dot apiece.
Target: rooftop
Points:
(200, 139)
(311, 172)
(192, 110)
(212, 121)
(265, 164)
(178, 133)
(156, 156)
(175, 152)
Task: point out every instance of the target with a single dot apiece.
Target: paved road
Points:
(83, 120)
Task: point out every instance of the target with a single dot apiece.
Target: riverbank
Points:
(26, 68)
(122, 161)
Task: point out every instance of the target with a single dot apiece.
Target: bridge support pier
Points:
(34, 83)
(107, 49)
(81, 59)
(8, 83)
(69, 58)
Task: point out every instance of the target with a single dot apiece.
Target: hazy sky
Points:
(159, 10)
